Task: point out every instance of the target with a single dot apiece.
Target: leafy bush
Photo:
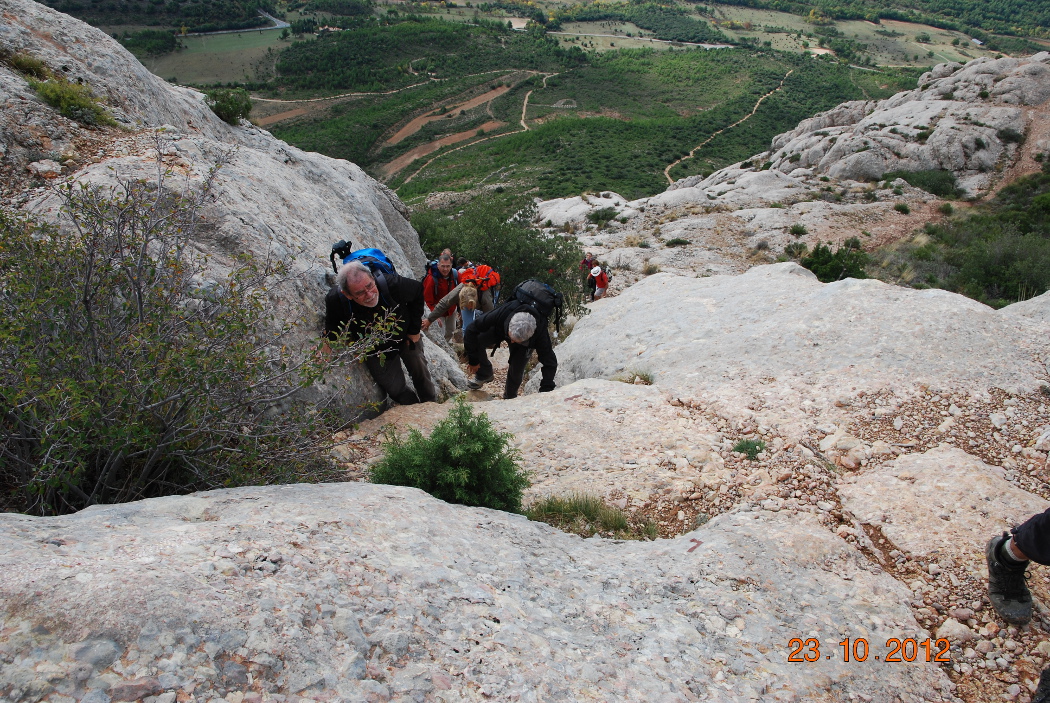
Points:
(465, 460)
(938, 182)
(72, 100)
(798, 229)
(796, 250)
(1010, 136)
(751, 447)
(602, 215)
(847, 262)
(495, 230)
(677, 242)
(902, 208)
(122, 378)
(229, 104)
(945, 208)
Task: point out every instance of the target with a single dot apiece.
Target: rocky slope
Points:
(269, 198)
(985, 122)
(901, 429)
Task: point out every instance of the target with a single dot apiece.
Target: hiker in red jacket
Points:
(601, 282)
(441, 278)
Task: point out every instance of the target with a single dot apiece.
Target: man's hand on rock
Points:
(425, 325)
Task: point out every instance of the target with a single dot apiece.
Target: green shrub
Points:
(938, 182)
(72, 100)
(902, 208)
(796, 250)
(649, 268)
(677, 242)
(945, 208)
(465, 460)
(751, 447)
(798, 229)
(602, 215)
(494, 229)
(229, 104)
(122, 379)
(846, 262)
(150, 42)
(983, 95)
(1010, 136)
(28, 66)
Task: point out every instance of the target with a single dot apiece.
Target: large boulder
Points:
(269, 198)
(377, 593)
(776, 336)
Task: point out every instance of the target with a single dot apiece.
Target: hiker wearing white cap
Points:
(601, 282)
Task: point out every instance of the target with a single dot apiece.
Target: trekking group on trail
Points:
(368, 291)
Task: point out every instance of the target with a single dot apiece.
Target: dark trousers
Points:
(1033, 538)
(519, 359)
(388, 374)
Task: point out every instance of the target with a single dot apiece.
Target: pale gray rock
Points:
(452, 599)
(723, 333)
(906, 499)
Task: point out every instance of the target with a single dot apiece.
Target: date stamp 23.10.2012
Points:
(858, 649)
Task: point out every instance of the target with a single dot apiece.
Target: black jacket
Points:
(403, 297)
(490, 329)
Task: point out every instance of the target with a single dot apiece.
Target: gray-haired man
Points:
(358, 301)
(523, 329)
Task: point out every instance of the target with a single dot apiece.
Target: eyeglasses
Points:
(366, 292)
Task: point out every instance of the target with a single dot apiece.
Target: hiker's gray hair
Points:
(348, 272)
(522, 326)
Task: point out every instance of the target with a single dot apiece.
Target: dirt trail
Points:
(287, 115)
(745, 118)
(1038, 129)
(418, 123)
(430, 147)
(525, 128)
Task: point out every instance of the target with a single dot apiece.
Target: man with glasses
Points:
(357, 302)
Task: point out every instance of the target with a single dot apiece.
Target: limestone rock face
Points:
(943, 501)
(376, 593)
(724, 334)
(269, 198)
(945, 123)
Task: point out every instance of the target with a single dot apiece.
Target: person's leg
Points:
(1033, 538)
(416, 363)
(468, 318)
(519, 357)
(388, 374)
(449, 323)
(599, 293)
(1008, 557)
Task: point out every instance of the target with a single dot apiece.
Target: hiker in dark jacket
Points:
(523, 329)
(357, 302)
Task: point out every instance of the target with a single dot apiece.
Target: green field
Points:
(218, 58)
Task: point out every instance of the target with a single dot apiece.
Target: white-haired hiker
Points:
(524, 329)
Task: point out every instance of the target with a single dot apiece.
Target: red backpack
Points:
(486, 276)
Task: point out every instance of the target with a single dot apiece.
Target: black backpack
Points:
(542, 298)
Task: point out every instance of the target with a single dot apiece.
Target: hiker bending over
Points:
(523, 329)
(359, 300)
(441, 278)
(600, 280)
(467, 296)
(1008, 558)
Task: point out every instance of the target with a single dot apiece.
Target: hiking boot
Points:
(1042, 694)
(1006, 585)
(477, 381)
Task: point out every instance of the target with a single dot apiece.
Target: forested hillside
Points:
(195, 15)
(1019, 17)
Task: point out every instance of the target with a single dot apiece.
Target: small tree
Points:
(230, 104)
(125, 373)
(848, 261)
(465, 460)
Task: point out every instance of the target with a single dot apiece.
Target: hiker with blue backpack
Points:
(521, 322)
(439, 281)
(367, 290)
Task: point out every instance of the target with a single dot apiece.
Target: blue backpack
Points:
(435, 276)
(374, 259)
